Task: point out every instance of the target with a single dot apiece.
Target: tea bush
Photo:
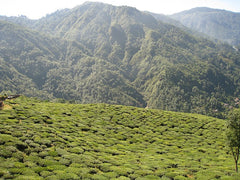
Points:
(101, 141)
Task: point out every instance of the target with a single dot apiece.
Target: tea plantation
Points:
(46, 140)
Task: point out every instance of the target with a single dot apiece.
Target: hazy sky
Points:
(35, 9)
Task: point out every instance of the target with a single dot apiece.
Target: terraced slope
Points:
(45, 140)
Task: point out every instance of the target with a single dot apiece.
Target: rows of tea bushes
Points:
(45, 140)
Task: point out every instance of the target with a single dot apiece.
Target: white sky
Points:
(35, 9)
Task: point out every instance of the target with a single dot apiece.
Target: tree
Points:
(1, 104)
(233, 134)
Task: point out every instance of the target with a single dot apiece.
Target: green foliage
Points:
(98, 53)
(101, 141)
(233, 135)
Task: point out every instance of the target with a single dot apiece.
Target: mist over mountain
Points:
(219, 24)
(97, 52)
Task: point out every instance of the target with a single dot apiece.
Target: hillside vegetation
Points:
(98, 53)
(45, 140)
(218, 24)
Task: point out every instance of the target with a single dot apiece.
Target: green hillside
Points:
(46, 140)
(26, 57)
(99, 53)
(38, 65)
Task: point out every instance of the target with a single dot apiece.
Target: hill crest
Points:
(118, 55)
(218, 24)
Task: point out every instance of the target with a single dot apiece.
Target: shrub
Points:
(16, 170)
(171, 175)
(29, 172)
(12, 149)
(65, 162)
(46, 173)
(52, 153)
(52, 177)
(19, 156)
(72, 170)
(76, 150)
(99, 177)
(5, 153)
(66, 176)
(111, 175)
(56, 167)
(39, 169)
(149, 177)
(143, 172)
(121, 170)
(179, 177)
(105, 167)
(121, 178)
(24, 177)
(6, 138)
(19, 165)
(165, 178)
(3, 172)
(74, 158)
(43, 154)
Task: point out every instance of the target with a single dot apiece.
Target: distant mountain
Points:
(218, 24)
(102, 53)
(167, 19)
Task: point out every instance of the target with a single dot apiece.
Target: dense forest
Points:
(99, 53)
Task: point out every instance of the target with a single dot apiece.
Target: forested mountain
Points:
(218, 24)
(38, 65)
(26, 57)
(102, 53)
(167, 19)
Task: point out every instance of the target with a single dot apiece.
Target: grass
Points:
(45, 140)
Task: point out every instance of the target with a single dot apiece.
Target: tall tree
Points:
(233, 134)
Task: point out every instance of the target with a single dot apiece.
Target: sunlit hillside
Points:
(46, 140)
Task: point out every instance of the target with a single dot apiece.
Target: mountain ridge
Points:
(120, 55)
(216, 23)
